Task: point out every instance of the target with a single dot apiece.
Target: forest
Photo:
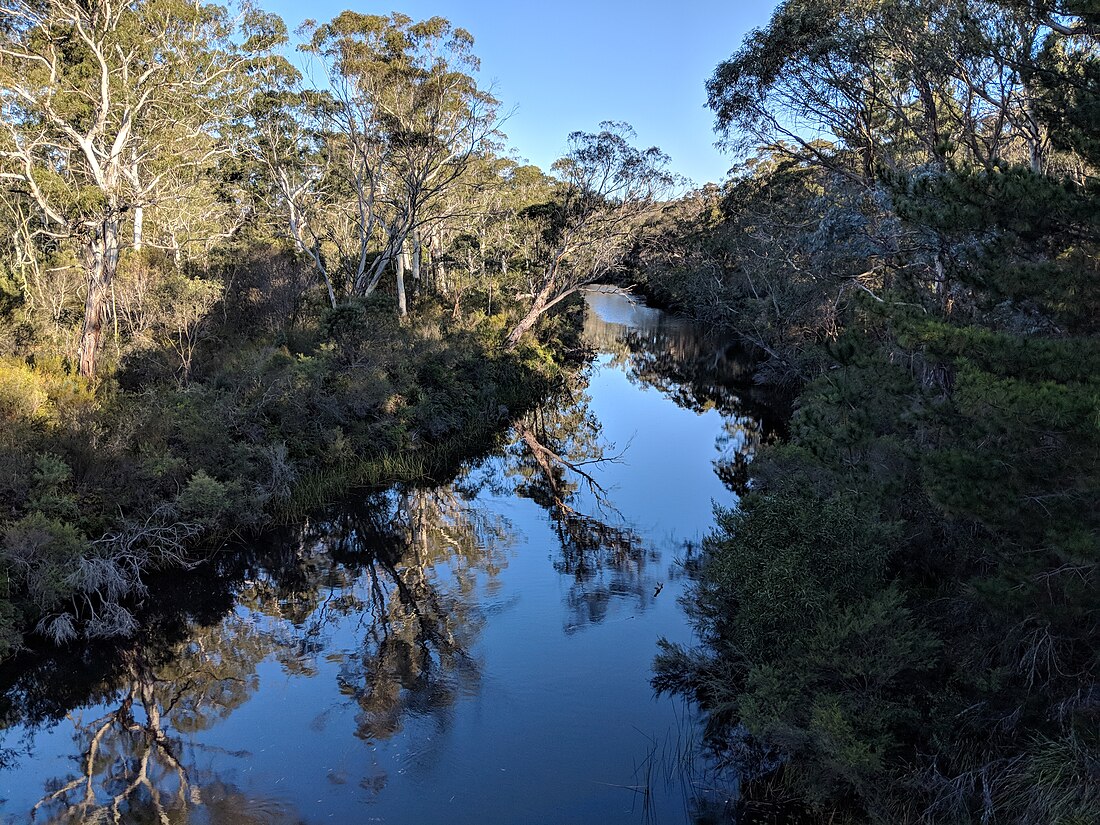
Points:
(230, 294)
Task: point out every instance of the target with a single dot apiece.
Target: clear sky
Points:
(566, 65)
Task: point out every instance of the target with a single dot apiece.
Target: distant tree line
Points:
(173, 128)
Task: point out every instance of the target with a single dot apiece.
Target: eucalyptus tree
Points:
(606, 190)
(878, 91)
(101, 102)
(877, 84)
(406, 122)
(484, 227)
(291, 142)
(511, 233)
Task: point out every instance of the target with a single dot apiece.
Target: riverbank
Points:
(899, 622)
(106, 481)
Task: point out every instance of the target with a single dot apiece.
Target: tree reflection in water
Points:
(133, 762)
(558, 447)
(697, 371)
(404, 567)
(414, 657)
(553, 458)
(740, 440)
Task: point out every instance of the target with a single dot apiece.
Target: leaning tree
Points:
(607, 190)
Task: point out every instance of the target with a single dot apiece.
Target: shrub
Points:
(786, 562)
(204, 498)
(22, 396)
(39, 553)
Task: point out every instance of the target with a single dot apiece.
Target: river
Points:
(479, 652)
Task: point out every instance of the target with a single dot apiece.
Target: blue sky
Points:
(567, 65)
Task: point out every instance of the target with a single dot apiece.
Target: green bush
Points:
(783, 563)
(39, 554)
(203, 499)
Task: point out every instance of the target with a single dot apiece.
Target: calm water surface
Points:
(475, 653)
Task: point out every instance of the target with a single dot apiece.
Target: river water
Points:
(475, 653)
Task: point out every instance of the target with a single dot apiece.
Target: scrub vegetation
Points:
(228, 296)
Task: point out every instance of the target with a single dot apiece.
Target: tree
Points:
(402, 121)
(299, 154)
(946, 436)
(886, 83)
(102, 103)
(607, 189)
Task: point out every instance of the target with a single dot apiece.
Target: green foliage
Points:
(1028, 357)
(1020, 236)
(50, 490)
(39, 554)
(905, 607)
(1068, 81)
(785, 563)
(260, 433)
(794, 594)
(204, 498)
(232, 389)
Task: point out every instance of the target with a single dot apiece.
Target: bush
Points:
(22, 396)
(783, 563)
(203, 499)
(39, 554)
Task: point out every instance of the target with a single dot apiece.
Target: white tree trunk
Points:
(416, 261)
(539, 305)
(100, 264)
(139, 209)
(139, 226)
(439, 273)
(402, 305)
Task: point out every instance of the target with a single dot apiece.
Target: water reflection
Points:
(130, 759)
(554, 456)
(374, 615)
(398, 573)
(741, 438)
(694, 369)
(411, 559)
